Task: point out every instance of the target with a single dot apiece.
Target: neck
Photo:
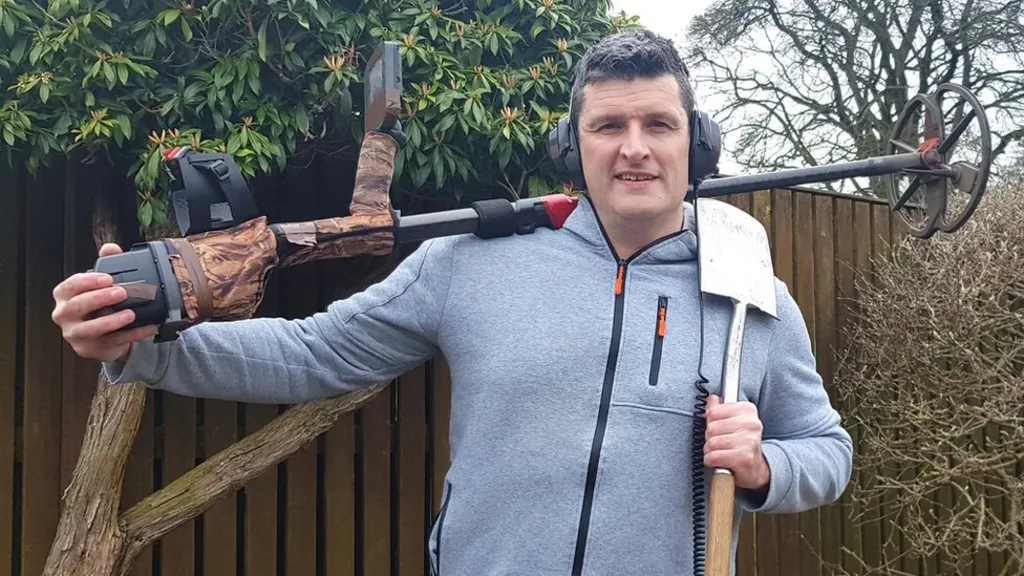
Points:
(628, 237)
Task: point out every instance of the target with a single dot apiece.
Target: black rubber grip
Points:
(497, 218)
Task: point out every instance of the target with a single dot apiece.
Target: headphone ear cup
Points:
(705, 146)
(563, 148)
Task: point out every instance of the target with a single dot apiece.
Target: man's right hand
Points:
(91, 335)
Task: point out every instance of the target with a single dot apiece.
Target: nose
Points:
(634, 147)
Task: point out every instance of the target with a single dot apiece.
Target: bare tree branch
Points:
(798, 82)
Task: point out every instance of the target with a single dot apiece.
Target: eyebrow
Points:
(614, 117)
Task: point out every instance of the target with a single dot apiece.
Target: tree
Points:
(276, 84)
(807, 83)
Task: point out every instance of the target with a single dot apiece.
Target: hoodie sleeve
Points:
(372, 336)
(808, 451)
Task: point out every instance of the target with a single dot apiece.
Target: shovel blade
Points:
(735, 256)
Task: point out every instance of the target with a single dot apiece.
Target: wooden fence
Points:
(361, 499)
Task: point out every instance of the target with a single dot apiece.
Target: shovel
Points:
(735, 263)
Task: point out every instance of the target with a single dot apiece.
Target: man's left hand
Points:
(733, 441)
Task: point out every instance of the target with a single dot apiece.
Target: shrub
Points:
(272, 82)
(934, 384)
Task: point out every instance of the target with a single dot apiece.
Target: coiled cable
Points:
(699, 426)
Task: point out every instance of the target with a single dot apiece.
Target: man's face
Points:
(634, 144)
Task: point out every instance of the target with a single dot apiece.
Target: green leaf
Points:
(122, 73)
(146, 214)
(302, 119)
(169, 15)
(126, 125)
(186, 30)
(108, 72)
(18, 52)
(44, 92)
(261, 41)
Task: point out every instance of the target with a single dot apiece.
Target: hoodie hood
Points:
(585, 223)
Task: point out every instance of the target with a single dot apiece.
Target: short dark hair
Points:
(633, 53)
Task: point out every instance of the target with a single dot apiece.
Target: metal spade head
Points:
(735, 257)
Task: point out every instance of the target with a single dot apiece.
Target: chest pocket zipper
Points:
(659, 339)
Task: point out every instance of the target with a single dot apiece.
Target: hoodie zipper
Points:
(606, 396)
(602, 419)
(435, 567)
(659, 339)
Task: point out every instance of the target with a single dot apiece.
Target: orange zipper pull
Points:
(619, 279)
(661, 319)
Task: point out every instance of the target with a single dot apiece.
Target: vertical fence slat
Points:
(375, 425)
(803, 253)
(441, 409)
(339, 498)
(783, 214)
(845, 279)
(863, 251)
(138, 476)
(220, 427)
(10, 254)
(177, 548)
(825, 344)
(260, 494)
(42, 430)
(767, 526)
(79, 375)
(412, 472)
(300, 291)
(339, 505)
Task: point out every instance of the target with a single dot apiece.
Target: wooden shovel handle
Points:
(723, 496)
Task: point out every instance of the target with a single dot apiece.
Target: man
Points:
(571, 442)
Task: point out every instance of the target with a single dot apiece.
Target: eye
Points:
(608, 127)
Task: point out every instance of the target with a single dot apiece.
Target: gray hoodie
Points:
(572, 414)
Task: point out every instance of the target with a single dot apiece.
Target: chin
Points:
(633, 206)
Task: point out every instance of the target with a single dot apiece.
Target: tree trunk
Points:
(88, 539)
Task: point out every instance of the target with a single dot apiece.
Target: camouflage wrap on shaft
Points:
(236, 263)
(222, 274)
(369, 228)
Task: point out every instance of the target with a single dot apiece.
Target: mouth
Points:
(635, 176)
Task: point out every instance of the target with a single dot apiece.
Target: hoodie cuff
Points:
(143, 364)
(779, 485)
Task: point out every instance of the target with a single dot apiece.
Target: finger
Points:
(713, 401)
(726, 410)
(88, 304)
(109, 249)
(82, 282)
(732, 425)
(100, 327)
(742, 440)
(733, 459)
(133, 335)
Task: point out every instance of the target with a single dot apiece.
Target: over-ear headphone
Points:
(705, 149)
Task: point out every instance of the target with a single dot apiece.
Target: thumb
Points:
(713, 400)
(109, 249)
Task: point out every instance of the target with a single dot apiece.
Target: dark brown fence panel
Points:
(11, 259)
(41, 357)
